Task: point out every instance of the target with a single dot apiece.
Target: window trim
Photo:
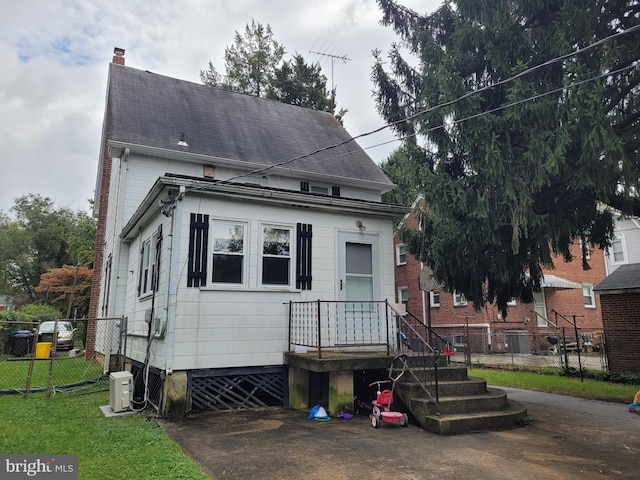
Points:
(403, 298)
(623, 249)
(461, 302)
(291, 257)
(245, 253)
(399, 255)
(591, 296)
(432, 299)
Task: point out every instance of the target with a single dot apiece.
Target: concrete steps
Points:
(465, 403)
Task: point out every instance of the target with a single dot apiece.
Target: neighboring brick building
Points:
(567, 292)
(620, 299)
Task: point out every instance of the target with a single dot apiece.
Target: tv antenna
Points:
(333, 58)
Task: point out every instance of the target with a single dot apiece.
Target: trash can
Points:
(43, 349)
(22, 343)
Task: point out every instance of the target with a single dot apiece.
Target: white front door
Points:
(359, 288)
(540, 308)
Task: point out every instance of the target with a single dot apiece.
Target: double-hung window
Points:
(434, 299)
(276, 255)
(229, 251)
(459, 300)
(144, 285)
(587, 294)
(616, 251)
(401, 254)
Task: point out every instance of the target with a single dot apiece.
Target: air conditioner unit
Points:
(120, 391)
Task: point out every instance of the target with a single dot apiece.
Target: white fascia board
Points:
(150, 206)
(116, 148)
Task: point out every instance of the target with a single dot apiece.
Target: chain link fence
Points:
(61, 356)
(559, 349)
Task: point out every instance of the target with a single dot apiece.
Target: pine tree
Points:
(531, 110)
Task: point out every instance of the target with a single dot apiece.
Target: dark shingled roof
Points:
(154, 110)
(625, 277)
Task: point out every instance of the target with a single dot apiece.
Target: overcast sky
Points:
(54, 56)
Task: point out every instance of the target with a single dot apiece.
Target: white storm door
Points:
(540, 308)
(359, 288)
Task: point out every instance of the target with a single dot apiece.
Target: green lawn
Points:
(13, 374)
(134, 447)
(125, 448)
(593, 389)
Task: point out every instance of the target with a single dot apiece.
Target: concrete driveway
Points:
(569, 439)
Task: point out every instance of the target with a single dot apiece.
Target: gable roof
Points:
(152, 110)
(625, 279)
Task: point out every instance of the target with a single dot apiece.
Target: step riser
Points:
(445, 389)
(444, 426)
(444, 374)
(465, 404)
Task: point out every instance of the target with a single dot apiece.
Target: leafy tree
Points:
(249, 62)
(254, 65)
(66, 286)
(40, 238)
(531, 109)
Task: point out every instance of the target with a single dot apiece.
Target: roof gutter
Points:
(248, 193)
(117, 147)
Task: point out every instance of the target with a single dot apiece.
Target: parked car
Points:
(65, 330)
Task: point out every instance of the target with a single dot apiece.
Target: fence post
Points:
(564, 348)
(575, 327)
(290, 323)
(319, 331)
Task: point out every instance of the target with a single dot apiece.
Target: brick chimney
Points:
(118, 56)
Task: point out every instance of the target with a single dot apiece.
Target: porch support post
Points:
(298, 388)
(175, 404)
(340, 392)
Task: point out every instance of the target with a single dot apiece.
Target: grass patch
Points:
(13, 374)
(593, 389)
(107, 448)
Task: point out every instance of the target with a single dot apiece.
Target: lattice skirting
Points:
(238, 388)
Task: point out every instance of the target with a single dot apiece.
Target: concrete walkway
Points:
(569, 439)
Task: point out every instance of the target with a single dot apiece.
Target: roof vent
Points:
(183, 140)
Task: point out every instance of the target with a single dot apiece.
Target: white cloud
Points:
(54, 58)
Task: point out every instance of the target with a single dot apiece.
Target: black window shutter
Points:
(335, 191)
(303, 256)
(304, 186)
(198, 242)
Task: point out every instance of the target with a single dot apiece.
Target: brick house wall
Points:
(520, 317)
(621, 318)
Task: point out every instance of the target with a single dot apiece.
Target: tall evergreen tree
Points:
(531, 107)
(254, 65)
(299, 83)
(250, 62)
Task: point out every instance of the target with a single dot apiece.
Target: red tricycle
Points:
(381, 411)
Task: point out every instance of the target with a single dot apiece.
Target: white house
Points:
(625, 246)
(216, 210)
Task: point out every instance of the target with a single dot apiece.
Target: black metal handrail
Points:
(413, 335)
(322, 325)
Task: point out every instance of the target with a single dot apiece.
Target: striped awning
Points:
(553, 281)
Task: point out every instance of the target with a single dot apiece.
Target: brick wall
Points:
(621, 319)
(568, 302)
